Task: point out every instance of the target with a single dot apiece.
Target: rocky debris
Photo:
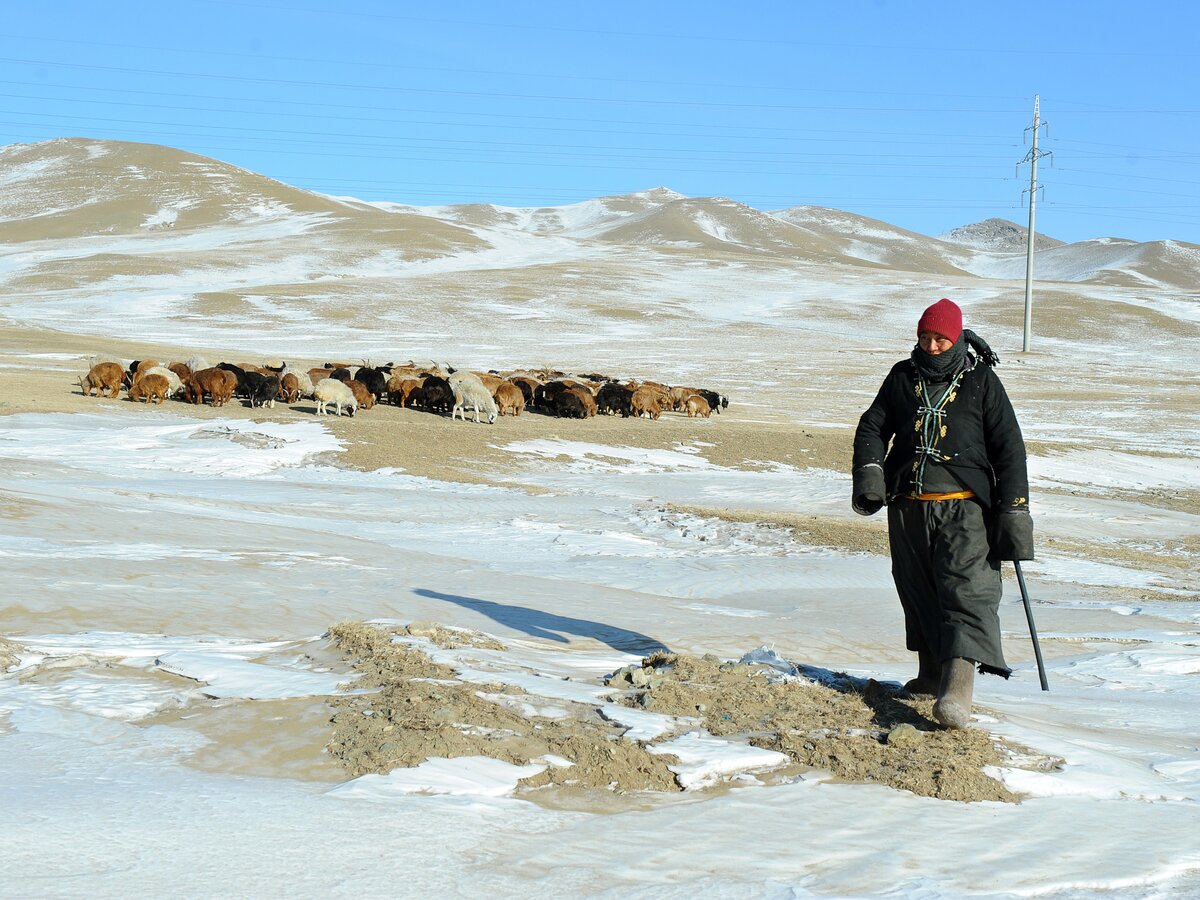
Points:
(10, 654)
(904, 735)
(449, 638)
(999, 235)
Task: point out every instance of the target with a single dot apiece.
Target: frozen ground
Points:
(168, 578)
(182, 559)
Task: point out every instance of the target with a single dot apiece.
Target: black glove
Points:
(869, 490)
(1012, 535)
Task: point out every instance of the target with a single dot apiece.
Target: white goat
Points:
(469, 391)
(330, 390)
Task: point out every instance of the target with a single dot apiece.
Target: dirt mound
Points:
(422, 711)
(858, 730)
(842, 725)
(10, 653)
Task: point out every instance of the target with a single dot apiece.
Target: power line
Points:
(496, 95)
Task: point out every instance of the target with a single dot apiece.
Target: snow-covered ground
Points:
(183, 558)
(168, 579)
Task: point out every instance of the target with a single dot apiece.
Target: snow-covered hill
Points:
(876, 242)
(73, 188)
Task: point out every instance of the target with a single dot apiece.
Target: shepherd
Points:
(955, 484)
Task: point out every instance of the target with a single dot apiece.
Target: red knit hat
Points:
(944, 318)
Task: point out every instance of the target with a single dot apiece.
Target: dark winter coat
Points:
(981, 444)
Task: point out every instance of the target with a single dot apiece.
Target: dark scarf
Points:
(946, 365)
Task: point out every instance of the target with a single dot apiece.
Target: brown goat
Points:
(150, 387)
(510, 400)
(289, 388)
(217, 383)
(182, 370)
(585, 397)
(677, 397)
(103, 377)
(696, 405)
(364, 397)
(648, 401)
(490, 381)
(400, 389)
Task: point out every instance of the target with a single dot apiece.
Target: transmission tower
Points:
(1032, 158)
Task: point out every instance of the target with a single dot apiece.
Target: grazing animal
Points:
(510, 400)
(182, 370)
(341, 374)
(150, 387)
(586, 398)
(373, 380)
(546, 395)
(238, 372)
(174, 383)
(647, 401)
(101, 378)
(527, 385)
(303, 380)
(436, 394)
(138, 367)
(263, 390)
(215, 382)
(364, 397)
(696, 405)
(490, 380)
(677, 397)
(473, 393)
(250, 384)
(569, 405)
(289, 388)
(329, 391)
(400, 389)
(716, 401)
(613, 398)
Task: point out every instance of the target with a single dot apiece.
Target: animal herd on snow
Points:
(344, 389)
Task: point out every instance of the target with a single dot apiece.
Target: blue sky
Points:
(913, 113)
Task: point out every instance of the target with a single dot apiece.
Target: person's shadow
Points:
(540, 624)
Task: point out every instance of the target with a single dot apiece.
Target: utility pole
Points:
(1032, 158)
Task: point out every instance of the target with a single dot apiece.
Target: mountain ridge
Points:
(81, 188)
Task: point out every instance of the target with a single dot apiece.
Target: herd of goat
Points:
(342, 388)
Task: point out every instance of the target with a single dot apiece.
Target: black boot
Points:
(953, 706)
(929, 675)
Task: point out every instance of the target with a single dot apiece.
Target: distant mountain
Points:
(998, 235)
(578, 220)
(111, 208)
(717, 224)
(875, 242)
(1112, 261)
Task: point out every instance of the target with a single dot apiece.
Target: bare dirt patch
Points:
(844, 726)
(858, 731)
(423, 711)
